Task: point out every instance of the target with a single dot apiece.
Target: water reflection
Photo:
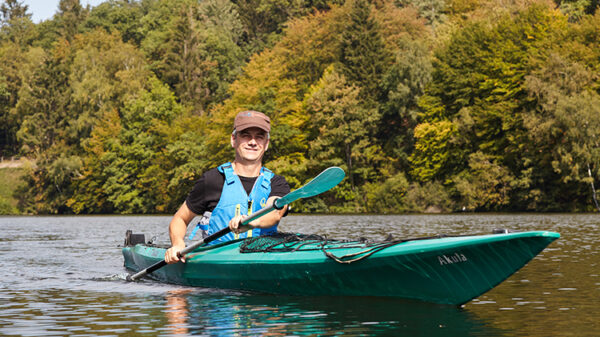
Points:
(189, 313)
(177, 312)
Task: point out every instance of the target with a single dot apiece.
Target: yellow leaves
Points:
(431, 148)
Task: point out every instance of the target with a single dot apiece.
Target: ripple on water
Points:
(67, 278)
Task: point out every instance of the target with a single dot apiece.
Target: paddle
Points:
(325, 181)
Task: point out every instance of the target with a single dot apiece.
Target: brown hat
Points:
(250, 118)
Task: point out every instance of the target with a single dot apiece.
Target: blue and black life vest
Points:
(235, 201)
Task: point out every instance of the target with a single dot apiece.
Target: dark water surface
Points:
(64, 276)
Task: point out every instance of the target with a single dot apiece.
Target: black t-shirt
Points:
(207, 190)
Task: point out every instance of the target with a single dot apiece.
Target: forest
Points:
(429, 106)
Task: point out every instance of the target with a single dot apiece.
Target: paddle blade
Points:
(325, 181)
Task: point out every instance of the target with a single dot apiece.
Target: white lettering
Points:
(454, 258)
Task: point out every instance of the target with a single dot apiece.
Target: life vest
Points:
(235, 201)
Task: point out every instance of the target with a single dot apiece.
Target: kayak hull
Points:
(450, 270)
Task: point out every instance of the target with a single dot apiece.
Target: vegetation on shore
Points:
(444, 105)
(10, 181)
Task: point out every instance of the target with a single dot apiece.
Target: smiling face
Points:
(250, 145)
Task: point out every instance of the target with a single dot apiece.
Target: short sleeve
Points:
(279, 186)
(206, 192)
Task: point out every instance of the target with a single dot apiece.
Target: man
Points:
(227, 193)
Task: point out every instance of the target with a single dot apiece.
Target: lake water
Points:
(64, 276)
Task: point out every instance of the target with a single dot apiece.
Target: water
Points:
(64, 276)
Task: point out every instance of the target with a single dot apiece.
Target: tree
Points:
(126, 162)
(105, 72)
(118, 16)
(432, 10)
(434, 150)
(196, 50)
(343, 130)
(15, 23)
(69, 18)
(61, 103)
(13, 66)
(403, 84)
(263, 20)
(363, 55)
(13, 9)
(43, 105)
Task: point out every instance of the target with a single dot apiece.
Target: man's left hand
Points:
(236, 226)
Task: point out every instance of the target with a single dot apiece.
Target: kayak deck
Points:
(449, 270)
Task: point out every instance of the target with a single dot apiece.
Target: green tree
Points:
(389, 196)
(126, 161)
(13, 9)
(105, 72)
(363, 55)
(196, 50)
(43, 105)
(263, 20)
(12, 62)
(69, 18)
(564, 127)
(403, 84)
(343, 131)
(60, 104)
(15, 23)
(577, 9)
(118, 16)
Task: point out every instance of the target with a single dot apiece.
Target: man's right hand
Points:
(172, 254)
(177, 229)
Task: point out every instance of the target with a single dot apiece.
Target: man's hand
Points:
(236, 226)
(172, 254)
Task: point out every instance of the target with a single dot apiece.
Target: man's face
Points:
(250, 144)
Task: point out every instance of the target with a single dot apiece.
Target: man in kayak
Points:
(226, 193)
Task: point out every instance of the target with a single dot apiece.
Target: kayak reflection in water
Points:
(227, 193)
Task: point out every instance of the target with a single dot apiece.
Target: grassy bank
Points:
(10, 179)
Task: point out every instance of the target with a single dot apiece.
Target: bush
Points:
(387, 197)
(431, 197)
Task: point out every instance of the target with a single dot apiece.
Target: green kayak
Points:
(448, 270)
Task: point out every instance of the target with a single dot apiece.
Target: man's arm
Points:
(266, 221)
(177, 230)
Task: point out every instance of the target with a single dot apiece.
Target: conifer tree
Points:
(13, 9)
(363, 55)
(69, 17)
(15, 23)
